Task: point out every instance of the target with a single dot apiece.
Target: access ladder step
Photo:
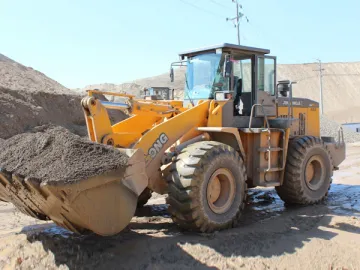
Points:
(271, 149)
(271, 184)
(277, 169)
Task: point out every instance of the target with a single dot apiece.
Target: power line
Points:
(324, 75)
(200, 8)
(304, 78)
(334, 74)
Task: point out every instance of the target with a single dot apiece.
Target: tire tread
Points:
(185, 181)
(292, 191)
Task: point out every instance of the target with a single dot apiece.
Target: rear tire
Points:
(308, 172)
(207, 187)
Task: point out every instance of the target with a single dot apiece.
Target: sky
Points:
(86, 42)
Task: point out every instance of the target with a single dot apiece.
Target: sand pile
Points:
(28, 98)
(54, 154)
(22, 110)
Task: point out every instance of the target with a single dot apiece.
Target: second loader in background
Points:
(236, 128)
(157, 93)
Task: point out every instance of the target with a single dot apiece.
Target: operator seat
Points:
(238, 91)
(243, 120)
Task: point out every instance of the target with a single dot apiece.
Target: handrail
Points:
(252, 112)
(290, 104)
(269, 150)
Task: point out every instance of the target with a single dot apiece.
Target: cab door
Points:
(265, 85)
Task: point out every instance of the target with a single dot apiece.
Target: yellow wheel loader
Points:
(236, 128)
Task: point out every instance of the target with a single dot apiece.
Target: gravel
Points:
(54, 154)
(330, 128)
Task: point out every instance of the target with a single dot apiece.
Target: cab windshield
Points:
(202, 74)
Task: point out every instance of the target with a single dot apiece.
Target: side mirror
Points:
(171, 74)
(283, 89)
(227, 68)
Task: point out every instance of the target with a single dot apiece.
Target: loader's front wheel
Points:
(207, 187)
(308, 172)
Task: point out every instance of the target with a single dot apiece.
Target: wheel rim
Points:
(315, 172)
(221, 191)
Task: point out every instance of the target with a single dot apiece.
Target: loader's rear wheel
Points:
(144, 197)
(308, 172)
(207, 187)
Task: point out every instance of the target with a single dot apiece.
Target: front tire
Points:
(207, 187)
(308, 172)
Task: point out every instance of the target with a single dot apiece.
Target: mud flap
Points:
(337, 148)
(338, 153)
(103, 204)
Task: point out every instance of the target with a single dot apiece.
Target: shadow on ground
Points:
(152, 241)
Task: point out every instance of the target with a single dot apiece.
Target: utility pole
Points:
(236, 20)
(320, 70)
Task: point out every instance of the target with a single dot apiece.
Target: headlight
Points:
(222, 96)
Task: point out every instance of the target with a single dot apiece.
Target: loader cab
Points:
(158, 93)
(243, 74)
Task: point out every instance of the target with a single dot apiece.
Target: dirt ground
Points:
(271, 236)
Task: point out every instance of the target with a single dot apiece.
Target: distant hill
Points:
(16, 76)
(341, 86)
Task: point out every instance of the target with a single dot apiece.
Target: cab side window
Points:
(242, 70)
(266, 75)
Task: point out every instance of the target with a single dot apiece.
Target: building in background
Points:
(353, 126)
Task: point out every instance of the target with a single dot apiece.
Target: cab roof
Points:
(225, 47)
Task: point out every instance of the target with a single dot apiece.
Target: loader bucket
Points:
(103, 204)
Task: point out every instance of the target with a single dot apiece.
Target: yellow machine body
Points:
(308, 115)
